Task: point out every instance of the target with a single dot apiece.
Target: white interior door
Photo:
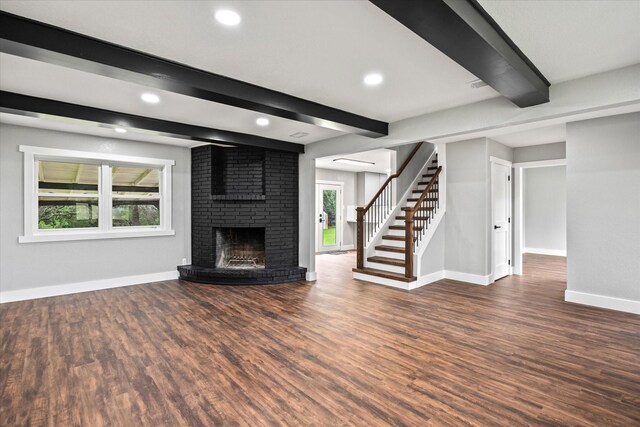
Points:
(329, 217)
(501, 214)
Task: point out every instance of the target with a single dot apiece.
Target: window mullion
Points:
(104, 200)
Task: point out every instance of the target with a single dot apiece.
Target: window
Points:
(74, 195)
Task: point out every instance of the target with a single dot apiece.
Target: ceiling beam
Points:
(36, 40)
(466, 33)
(15, 103)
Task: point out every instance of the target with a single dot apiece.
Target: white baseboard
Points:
(407, 286)
(347, 247)
(612, 303)
(427, 279)
(311, 276)
(541, 251)
(94, 285)
(381, 281)
(424, 280)
(476, 279)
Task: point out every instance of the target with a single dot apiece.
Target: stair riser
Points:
(396, 243)
(393, 255)
(385, 267)
(395, 232)
(382, 281)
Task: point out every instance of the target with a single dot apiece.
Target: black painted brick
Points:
(245, 187)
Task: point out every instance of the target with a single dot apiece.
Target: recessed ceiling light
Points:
(354, 162)
(299, 134)
(476, 84)
(262, 121)
(150, 98)
(373, 79)
(228, 17)
(120, 130)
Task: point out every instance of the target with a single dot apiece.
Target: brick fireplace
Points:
(244, 216)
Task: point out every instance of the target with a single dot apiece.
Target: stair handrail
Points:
(366, 230)
(423, 222)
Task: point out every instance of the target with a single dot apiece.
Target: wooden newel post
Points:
(408, 244)
(360, 237)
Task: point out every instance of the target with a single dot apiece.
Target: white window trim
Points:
(32, 234)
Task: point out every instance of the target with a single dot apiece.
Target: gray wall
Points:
(603, 206)
(415, 165)
(433, 258)
(348, 199)
(367, 185)
(545, 208)
(534, 153)
(32, 265)
(466, 217)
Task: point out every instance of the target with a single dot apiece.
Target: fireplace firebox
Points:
(240, 248)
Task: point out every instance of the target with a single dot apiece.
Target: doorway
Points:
(328, 216)
(540, 210)
(500, 218)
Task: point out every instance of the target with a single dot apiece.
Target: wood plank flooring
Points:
(337, 352)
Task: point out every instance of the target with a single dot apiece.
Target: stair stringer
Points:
(440, 213)
(426, 240)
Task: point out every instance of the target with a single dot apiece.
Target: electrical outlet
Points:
(184, 261)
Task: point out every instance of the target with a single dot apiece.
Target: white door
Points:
(329, 217)
(501, 214)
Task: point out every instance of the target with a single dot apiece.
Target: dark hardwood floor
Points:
(337, 352)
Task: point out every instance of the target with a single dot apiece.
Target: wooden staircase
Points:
(392, 260)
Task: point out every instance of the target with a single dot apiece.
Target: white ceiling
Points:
(41, 79)
(380, 158)
(569, 39)
(317, 50)
(543, 135)
(64, 124)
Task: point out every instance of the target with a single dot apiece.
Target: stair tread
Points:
(426, 199)
(403, 227)
(387, 248)
(416, 217)
(384, 274)
(420, 191)
(392, 237)
(386, 260)
(432, 168)
(407, 208)
(425, 183)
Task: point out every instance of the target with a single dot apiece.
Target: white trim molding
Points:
(541, 251)
(94, 285)
(518, 208)
(500, 161)
(311, 276)
(106, 163)
(541, 163)
(475, 279)
(407, 286)
(602, 301)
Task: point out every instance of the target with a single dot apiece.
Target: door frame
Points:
(496, 160)
(518, 211)
(340, 232)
